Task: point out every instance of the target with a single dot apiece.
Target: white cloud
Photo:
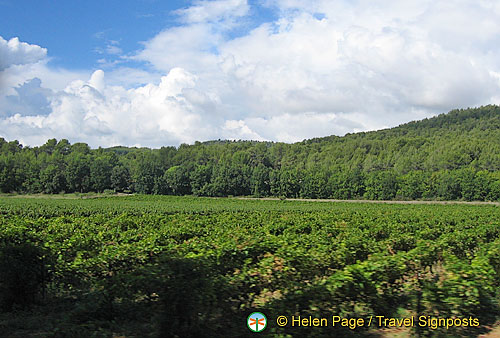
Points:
(112, 46)
(381, 60)
(30, 99)
(23, 70)
(92, 112)
(321, 68)
(220, 11)
(20, 72)
(238, 130)
(190, 47)
(97, 80)
(14, 52)
(293, 127)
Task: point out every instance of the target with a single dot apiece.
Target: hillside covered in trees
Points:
(453, 156)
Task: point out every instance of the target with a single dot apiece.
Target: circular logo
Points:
(257, 322)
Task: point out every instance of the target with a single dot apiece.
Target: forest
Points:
(453, 156)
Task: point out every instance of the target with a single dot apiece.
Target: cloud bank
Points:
(320, 68)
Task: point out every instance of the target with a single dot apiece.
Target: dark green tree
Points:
(120, 178)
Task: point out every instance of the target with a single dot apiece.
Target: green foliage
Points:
(183, 266)
(413, 185)
(120, 178)
(381, 185)
(23, 270)
(260, 181)
(454, 156)
(100, 173)
(200, 179)
(52, 179)
(177, 180)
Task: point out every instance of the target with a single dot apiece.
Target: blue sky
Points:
(77, 33)
(154, 73)
(74, 31)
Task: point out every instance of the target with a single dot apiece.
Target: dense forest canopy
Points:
(451, 156)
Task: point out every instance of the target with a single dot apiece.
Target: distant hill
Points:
(451, 156)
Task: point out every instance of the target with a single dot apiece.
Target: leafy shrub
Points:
(23, 275)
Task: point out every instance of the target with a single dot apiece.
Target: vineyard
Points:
(163, 266)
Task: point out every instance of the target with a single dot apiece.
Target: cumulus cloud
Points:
(30, 99)
(21, 62)
(194, 45)
(320, 68)
(292, 127)
(191, 47)
(91, 111)
(14, 52)
(391, 62)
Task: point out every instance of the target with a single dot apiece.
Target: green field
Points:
(150, 266)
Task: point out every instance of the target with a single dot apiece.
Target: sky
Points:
(158, 73)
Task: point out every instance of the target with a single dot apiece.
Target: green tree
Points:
(315, 185)
(260, 181)
(177, 178)
(146, 168)
(412, 185)
(200, 179)
(77, 172)
(381, 185)
(100, 173)
(120, 178)
(52, 179)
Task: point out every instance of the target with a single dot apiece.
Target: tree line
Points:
(454, 156)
